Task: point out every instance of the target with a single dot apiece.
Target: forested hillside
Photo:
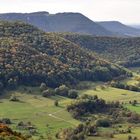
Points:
(124, 51)
(30, 56)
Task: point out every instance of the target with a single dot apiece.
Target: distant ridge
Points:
(135, 26)
(60, 22)
(120, 29)
(72, 22)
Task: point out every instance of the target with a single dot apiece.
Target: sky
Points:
(125, 11)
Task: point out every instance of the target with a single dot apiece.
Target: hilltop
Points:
(72, 22)
(120, 28)
(60, 22)
(29, 56)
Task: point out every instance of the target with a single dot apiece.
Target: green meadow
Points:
(37, 110)
(49, 119)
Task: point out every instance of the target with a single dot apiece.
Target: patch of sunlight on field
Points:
(134, 108)
(112, 94)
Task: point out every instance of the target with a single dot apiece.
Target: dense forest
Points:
(124, 51)
(30, 56)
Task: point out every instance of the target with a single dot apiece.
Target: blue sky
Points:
(126, 11)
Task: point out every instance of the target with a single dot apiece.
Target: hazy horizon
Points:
(125, 11)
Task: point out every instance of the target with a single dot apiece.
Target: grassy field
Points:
(134, 108)
(135, 133)
(37, 110)
(135, 69)
(49, 119)
(112, 94)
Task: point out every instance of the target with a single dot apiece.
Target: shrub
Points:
(5, 121)
(56, 103)
(103, 123)
(48, 93)
(7, 133)
(135, 138)
(134, 118)
(13, 98)
(62, 90)
(72, 94)
(20, 123)
(43, 87)
(129, 137)
(124, 86)
(134, 103)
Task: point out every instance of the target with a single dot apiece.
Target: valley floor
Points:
(49, 119)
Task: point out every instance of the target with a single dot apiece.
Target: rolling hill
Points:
(29, 56)
(123, 51)
(120, 29)
(60, 22)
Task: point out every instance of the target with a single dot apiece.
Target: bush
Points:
(43, 87)
(135, 138)
(134, 118)
(20, 123)
(48, 93)
(5, 121)
(134, 103)
(103, 123)
(125, 86)
(7, 133)
(13, 98)
(72, 94)
(62, 90)
(56, 103)
(130, 138)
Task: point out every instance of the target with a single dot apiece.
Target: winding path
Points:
(54, 116)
